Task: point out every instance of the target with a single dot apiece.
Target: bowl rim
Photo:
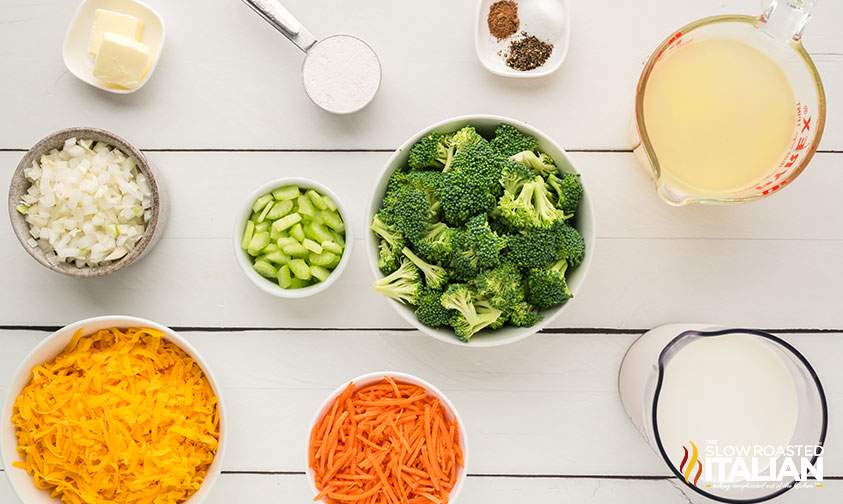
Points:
(245, 264)
(21, 227)
(517, 74)
(8, 454)
(376, 199)
(93, 81)
(374, 377)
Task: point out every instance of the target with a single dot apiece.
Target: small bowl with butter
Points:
(114, 45)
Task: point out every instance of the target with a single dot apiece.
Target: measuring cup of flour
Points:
(738, 415)
(341, 73)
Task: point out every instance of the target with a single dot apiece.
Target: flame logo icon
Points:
(687, 466)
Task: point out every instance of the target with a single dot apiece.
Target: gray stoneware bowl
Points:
(19, 186)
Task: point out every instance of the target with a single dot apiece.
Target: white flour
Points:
(341, 74)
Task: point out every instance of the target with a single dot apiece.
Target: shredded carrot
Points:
(120, 416)
(387, 443)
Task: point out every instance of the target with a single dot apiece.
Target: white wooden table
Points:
(225, 112)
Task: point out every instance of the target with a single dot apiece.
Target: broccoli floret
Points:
(471, 313)
(541, 164)
(523, 314)
(509, 141)
(435, 276)
(476, 247)
(478, 162)
(409, 210)
(463, 196)
(466, 136)
(531, 207)
(430, 311)
(502, 286)
(568, 191)
(403, 285)
(547, 287)
(436, 245)
(391, 243)
(536, 249)
(572, 244)
(432, 151)
(514, 175)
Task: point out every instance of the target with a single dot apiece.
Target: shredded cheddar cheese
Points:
(122, 416)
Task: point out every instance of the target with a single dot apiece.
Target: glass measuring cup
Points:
(776, 33)
(645, 375)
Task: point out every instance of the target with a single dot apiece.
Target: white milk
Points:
(732, 389)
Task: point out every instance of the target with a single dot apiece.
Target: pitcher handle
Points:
(786, 19)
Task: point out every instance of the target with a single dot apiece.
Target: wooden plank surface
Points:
(223, 63)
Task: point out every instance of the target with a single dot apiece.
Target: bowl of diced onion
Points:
(85, 203)
(293, 237)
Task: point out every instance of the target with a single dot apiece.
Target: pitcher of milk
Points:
(731, 108)
(737, 415)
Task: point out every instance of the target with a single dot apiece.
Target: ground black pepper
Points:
(527, 53)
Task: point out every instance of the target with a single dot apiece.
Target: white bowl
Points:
(365, 380)
(583, 221)
(75, 49)
(532, 18)
(245, 260)
(54, 344)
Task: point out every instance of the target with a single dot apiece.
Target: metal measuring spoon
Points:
(341, 73)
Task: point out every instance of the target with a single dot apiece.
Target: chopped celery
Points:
(305, 206)
(286, 221)
(265, 269)
(272, 247)
(316, 199)
(312, 245)
(333, 220)
(297, 232)
(339, 238)
(262, 226)
(258, 242)
(286, 240)
(300, 269)
(330, 203)
(298, 283)
(285, 277)
(280, 209)
(265, 212)
(326, 259)
(331, 247)
(295, 250)
(320, 232)
(286, 193)
(278, 257)
(261, 202)
(320, 273)
(247, 234)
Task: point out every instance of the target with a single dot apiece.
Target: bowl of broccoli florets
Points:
(481, 231)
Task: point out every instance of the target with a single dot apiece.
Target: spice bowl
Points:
(547, 20)
(20, 184)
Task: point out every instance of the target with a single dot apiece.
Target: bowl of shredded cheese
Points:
(113, 410)
(84, 202)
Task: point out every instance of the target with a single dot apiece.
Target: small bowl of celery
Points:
(292, 238)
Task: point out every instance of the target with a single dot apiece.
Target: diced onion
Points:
(87, 204)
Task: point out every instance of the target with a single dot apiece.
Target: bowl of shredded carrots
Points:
(387, 437)
(113, 409)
